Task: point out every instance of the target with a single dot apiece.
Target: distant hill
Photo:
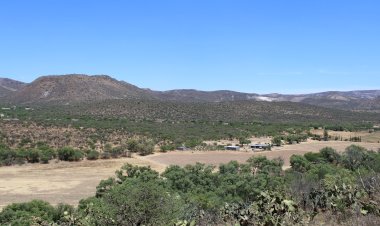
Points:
(191, 95)
(74, 88)
(365, 100)
(8, 86)
(77, 88)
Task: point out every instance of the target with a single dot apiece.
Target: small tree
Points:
(277, 141)
(47, 155)
(93, 155)
(33, 156)
(69, 154)
(243, 141)
(325, 135)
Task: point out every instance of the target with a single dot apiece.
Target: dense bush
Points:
(47, 154)
(135, 202)
(69, 154)
(321, 188)
(7, 156)
(93, 155)
(142, 146)
(31, 213)
(167, 147)
(33, 155)
(117, 152)
(105, 155)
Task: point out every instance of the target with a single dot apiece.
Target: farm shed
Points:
(182, 148)
(232, 148)
(260, 146)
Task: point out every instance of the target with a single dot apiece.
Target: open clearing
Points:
(217, 157)
(65, 182)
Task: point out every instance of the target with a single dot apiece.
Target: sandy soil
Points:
(61, 182)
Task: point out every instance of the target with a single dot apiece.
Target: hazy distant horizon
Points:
(141, 82)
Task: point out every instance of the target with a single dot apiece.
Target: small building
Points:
(182, 148)
(2, 115)
(5, 108)
(232, 148)
(260, 146)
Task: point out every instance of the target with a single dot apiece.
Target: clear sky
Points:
(262, 46)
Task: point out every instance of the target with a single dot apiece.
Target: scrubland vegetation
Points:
(42, 153)
(325, 187)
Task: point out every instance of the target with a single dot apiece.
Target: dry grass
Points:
(61, 182)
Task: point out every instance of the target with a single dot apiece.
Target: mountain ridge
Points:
(74, 88)
(7, 86)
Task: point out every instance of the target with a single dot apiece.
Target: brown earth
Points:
(59, 182)
(218, 157)
(373, 137)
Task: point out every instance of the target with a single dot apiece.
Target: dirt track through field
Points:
(65, 182)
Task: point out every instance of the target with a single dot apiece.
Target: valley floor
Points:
(65, 182)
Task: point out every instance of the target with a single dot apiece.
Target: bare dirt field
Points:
(217, 157)
(65, 182)
(373, 137)
(61, 182)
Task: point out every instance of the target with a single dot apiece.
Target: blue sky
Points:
(260, 46)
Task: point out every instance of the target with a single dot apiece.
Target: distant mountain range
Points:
(9, 86)
(75, 88)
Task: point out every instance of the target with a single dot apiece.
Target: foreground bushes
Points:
(319, 188)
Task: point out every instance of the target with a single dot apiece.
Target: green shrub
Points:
(20, 156)
(135, 203)
(93, 155)
(105, 155)
(69, 154)
(167, 147)
(46, 155)
(145, 148)
(7, 157)
(32, 213)
(33, 155)
(116, 152)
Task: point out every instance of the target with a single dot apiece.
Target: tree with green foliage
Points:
(33, 155)
(69, 154)
(355, 157)
(325, 135)
(31, 213)
(47, 154)
(277, 141)
(136, 202)
(330, 155)
(93, 155)
(299, 163)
